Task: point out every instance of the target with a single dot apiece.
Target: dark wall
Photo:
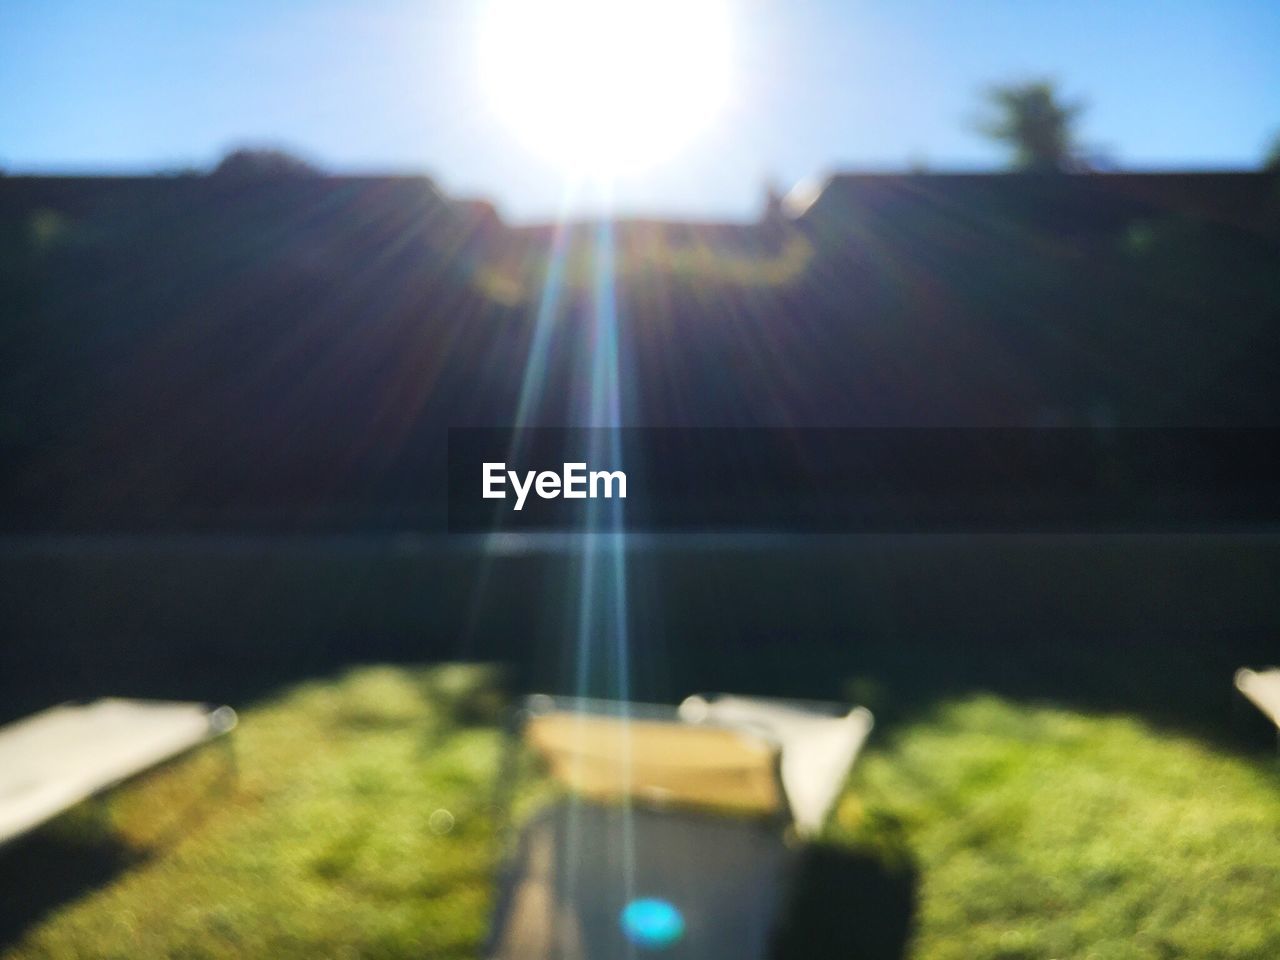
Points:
(1153, 623)
(199, 353)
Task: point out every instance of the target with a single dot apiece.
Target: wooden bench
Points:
(741, 754)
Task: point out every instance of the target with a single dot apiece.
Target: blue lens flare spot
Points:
(652, 923)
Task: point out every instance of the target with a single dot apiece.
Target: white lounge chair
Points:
(744, 754)
(1262, 687)
(818, 743)
(679, 811)
(54, 759)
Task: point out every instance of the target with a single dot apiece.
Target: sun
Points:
(605, 87)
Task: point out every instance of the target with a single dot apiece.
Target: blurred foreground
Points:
(979, 827)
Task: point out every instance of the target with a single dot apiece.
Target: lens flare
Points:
(652, 923)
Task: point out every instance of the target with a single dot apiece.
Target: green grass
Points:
(325, 848)
(1032, 832)
(1044, 833)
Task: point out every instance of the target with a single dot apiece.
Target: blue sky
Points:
(378, 85)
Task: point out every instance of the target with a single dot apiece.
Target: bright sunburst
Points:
(606, 86)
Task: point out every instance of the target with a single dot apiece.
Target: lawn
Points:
(1040, 832)
(1022, 831)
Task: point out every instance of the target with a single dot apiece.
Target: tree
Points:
(1271, 160)
(1036, 123)
(254, 163)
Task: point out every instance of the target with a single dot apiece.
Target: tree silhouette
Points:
(263, 163)
(1035, 122)
(1271, 160)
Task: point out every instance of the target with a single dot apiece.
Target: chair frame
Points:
(222, 721)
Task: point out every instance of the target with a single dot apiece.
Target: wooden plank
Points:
(610, 758)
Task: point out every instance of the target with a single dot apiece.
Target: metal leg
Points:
(505, 785)
(231, 772)
(102, 819)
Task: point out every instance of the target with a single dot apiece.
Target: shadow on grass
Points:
(88, 847)
(50, 868)
(741, 890)
(846, 903)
